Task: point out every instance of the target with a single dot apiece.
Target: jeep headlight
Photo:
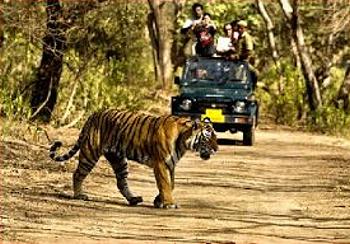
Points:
(239, 106)
(186, 104)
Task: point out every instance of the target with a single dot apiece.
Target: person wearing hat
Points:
(246, 48)
(245, 42)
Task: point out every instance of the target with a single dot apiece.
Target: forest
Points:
(61, 60)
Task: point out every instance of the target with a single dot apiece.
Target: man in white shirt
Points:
(225, 46)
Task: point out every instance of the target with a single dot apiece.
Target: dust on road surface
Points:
(291, 187)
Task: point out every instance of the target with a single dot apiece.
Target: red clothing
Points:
(205, 40)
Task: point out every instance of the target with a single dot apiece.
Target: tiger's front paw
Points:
(158, 203)
(171, 206)
(81, 196)
(135, 200)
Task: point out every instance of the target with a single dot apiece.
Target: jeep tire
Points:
(249, 135)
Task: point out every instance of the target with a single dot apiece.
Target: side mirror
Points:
(177, 80)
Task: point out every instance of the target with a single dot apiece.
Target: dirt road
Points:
(290, 187)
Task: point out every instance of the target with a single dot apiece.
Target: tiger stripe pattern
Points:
(156, 141)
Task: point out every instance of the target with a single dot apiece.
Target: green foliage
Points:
(14, 106)
(331, 120)
(19, 58)
(95, 87)
(288, 106)
(107, 62)
(284, 102)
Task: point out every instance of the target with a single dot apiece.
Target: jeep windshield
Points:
(215, 70)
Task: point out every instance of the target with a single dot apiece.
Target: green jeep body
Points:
(220, 90)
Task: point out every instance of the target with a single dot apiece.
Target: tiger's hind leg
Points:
(120, 168)
(84, 168)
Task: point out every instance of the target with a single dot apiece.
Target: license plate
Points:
(215, 115)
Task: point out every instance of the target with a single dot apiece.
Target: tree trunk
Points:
(344, 91)
(161, 28)
(44, 93)
(179, 44)
(270, 28)
(272, 43)
(153, 32)
(312, 87)
(2, 23)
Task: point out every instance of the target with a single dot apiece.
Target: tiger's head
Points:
(204, 139)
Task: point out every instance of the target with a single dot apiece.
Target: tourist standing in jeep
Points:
(187, 30)
(245, 48)
(245, 43)
(205, 37)
(197, 17)
(225, 46)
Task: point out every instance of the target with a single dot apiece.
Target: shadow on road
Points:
(227, 141)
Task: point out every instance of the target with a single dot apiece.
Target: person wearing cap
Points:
(245, 42)
(246, 48)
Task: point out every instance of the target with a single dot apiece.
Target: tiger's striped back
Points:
(130, 135)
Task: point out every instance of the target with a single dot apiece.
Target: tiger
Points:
(156, 141)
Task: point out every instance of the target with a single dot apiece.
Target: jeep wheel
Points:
(249, 135)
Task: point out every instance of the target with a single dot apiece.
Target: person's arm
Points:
(249, 42)
(197, 29)
(212, 25)
(186, 26)
(212, 30)
(248, 47)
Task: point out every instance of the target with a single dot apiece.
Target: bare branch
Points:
(44, 103)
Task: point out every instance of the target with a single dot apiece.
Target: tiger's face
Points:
(205, 141)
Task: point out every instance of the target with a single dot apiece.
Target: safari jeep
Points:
(220, 90)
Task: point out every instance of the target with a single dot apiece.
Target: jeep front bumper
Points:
(222, 119)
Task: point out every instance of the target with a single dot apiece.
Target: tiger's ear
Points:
(186, 122)
(206, 121)
(196, 124)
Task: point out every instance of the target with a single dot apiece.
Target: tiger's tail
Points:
(66, 156)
